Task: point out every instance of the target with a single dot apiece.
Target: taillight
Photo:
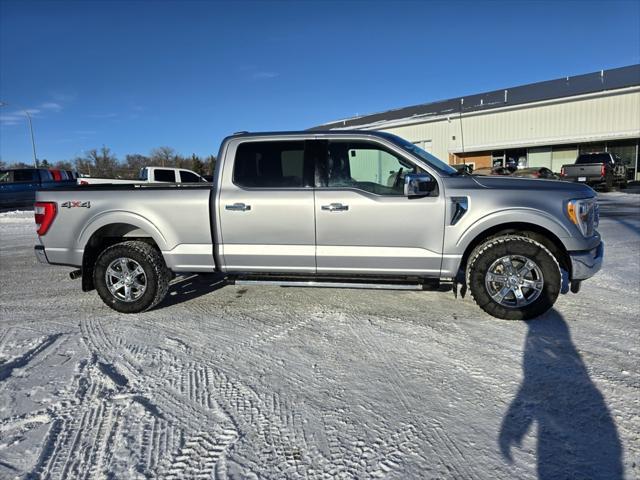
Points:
(45, 212)
(603, 170)
(84, 182)
(562, 174)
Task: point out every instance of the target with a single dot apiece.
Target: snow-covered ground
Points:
(268, 382)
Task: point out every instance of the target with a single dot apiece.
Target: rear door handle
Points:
(238, 207)
(335, 207)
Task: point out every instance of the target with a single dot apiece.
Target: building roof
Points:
(603, 80)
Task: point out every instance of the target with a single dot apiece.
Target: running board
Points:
(317, 284)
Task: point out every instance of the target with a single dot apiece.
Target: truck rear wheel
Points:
(513, 277)
(131, 277)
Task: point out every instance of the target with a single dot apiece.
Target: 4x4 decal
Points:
(75, 204)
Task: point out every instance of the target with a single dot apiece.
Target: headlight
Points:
(584, 214)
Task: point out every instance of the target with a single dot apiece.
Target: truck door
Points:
(364, 222)
(266, 209)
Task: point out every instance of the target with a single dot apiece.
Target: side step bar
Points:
(316, 284)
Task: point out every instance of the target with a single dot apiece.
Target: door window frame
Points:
(398, 153)
(308, 168)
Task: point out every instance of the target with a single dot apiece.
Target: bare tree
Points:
(163, 156)
(20, 165)
(98, 163)
(102, 162)
(61, 165)
(84, 166)
(136, 161)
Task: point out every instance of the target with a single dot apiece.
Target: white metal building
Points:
(540, 124)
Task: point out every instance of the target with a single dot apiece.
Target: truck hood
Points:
(534, 184)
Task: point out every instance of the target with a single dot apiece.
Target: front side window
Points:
(366, 166)
(425, 156)
(270, 164)
(162, 175)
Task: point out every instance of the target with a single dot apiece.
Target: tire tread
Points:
(495, 241)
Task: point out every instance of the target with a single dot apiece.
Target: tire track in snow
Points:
(436, 436)
(6, 369)
(183, 405)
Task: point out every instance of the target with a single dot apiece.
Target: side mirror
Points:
(419, 185)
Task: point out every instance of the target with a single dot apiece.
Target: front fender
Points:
(531, 216)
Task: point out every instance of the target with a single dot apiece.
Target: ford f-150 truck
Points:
(337, 208)
(150, 175)
(597, 169)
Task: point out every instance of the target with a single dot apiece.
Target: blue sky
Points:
(137, 75)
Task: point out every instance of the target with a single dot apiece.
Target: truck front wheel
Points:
(513, 277)
(131, 277)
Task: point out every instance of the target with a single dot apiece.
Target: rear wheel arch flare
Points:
(103, 238)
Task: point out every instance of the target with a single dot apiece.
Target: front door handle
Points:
(238, 207)
(335, 207)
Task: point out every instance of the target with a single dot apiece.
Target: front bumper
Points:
(586, 264)
(40, 254)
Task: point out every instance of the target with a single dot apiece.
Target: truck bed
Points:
(176, 217)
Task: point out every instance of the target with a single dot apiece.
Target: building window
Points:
(627, 151)
(592, 147)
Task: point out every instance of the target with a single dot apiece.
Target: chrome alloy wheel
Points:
(514, 281)
(126, 279)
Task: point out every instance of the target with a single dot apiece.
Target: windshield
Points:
(422, 154)
(143, 175)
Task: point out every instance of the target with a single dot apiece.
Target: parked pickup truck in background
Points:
(18, 186)
(597, 169)
(150, 175)
(348, 209)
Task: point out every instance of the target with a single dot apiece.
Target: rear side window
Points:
(269, 165)
(188, 177)
(23, 175)
(164, 175)
(45, 176)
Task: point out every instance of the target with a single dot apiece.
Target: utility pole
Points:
(33, 140)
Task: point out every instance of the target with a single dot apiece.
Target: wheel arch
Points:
(105, 236)
(536, 232)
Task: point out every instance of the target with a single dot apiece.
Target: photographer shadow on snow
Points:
(576, 435)
(187, 287)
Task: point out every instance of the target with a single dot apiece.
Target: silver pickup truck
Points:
(348, 209)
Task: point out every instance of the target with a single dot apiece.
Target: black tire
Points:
(489, 252)
(157, 275)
